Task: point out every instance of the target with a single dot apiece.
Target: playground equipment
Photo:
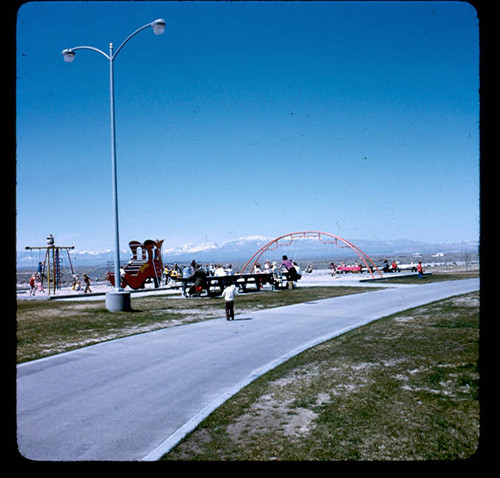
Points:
(52, 263)
(145, 265)
(281, 279)
(323, 237)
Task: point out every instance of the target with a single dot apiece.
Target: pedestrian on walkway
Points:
(420, 270)
(229, 294)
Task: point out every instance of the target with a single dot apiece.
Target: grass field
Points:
(48, 327)
(402, 388)
(405, 387)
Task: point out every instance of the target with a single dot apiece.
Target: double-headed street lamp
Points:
(118, 299)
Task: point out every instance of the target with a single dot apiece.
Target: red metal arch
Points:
(329, 239)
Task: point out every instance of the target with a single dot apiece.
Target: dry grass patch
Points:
(49, 327)
(401, 388)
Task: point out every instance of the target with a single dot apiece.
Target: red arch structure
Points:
(323, 237)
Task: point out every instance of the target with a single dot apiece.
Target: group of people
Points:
(77, 285)
(196, 275)
(172, 273)
(390, 268)
(36, 280)
(36, 283)
(272, 268)
(290, 267)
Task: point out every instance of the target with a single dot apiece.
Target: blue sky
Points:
(359, 119)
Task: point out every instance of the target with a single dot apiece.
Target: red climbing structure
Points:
(323, 237)
(145, 265)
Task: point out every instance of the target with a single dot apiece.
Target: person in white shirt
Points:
(229, 294)
(220, 271)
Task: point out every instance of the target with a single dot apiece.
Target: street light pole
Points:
(114, 175)
(118, 300)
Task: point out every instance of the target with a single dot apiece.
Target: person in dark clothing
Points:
(292, 272)
(87, 284)
(200, 281)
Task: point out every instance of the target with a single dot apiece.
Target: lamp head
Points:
(158, 26)
(68, 55)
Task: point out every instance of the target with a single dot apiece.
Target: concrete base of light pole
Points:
(118, 301)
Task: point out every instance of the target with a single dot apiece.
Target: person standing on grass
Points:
(229, 294)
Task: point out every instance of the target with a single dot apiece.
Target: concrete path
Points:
(134, 398)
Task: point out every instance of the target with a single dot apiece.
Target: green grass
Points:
(50, 327)
(404, 387)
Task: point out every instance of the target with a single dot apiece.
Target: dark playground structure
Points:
(214, 285)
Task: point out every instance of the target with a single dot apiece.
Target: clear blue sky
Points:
(356, 118)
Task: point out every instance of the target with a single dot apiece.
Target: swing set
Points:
(52, 263)
(322, 237)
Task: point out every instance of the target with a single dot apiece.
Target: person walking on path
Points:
(229, 294)
(420, 270)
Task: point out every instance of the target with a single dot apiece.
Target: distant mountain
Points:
(242, 249)
(229, 251)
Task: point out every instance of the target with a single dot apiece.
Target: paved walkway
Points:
(134, 398)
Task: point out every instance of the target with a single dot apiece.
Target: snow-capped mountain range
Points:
(243, 248)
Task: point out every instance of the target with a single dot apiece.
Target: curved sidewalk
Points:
(134, 398)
